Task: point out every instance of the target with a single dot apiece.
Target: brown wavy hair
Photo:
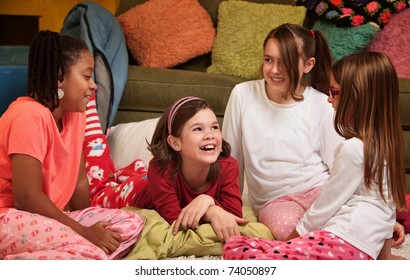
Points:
(369, 110)
(164, 154)
(295, 40)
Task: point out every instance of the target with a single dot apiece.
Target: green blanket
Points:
(158, 242)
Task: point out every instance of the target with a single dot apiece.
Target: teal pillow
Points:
(346, 40)
(242, 28)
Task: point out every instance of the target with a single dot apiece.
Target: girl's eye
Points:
(197, 129)
(215, 127)
(88, 77)
(266, 59)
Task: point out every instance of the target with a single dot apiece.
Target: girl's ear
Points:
(309, 65)
(60, 78)
(174, 142)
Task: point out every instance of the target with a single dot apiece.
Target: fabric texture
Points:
(346, 208)
(354, 13)
(242, 28)
(30, 236)
(105, 39)
(158, 242)
(291, 152)
(346, 40)
(168, 195)
(403, 217)
(164, 33)
(29, 128)
(128, 141)
(319, 245)
(394, 41)
(109, 187)
(282, 214)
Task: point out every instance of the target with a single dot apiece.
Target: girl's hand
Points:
(193, 212)
(102, 237)
(224, 223)
(398, 234)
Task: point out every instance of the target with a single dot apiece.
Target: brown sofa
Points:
(149, 91)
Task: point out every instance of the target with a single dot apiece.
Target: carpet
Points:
(404, 249)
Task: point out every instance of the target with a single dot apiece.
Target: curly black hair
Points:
(50, 58)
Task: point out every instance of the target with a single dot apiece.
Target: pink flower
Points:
(337, 3)
(372, 6)
(320, 8)
(357, 20)
(347, 11)
(385, 17)
(400, 6)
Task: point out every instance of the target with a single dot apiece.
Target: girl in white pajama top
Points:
(354, 214)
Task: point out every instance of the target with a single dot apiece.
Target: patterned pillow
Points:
(242, 27)
(394, 41)
(354, 13)
(164, 33)
(346, 40)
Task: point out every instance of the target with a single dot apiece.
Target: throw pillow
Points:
(242, 28)
(164, 33)
(354, 13)
(394, 41)
(128, 142)
(346, 40)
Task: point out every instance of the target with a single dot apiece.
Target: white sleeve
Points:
(232, 131)
(345, 178)
(330, 139)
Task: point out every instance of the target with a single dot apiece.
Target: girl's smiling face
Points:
(78, 84)
(275, 75)
(200, 141)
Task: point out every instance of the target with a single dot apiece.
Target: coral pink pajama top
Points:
(29, 128)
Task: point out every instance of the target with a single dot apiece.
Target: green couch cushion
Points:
(242, 28)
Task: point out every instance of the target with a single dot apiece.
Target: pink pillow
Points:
(403, 217)
(165, 33)
(394, 41)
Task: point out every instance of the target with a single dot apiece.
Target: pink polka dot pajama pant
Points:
(318, 245)
(282, 214)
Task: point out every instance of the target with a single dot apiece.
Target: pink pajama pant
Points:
(282, 214)
(25, 235)
(318, 245)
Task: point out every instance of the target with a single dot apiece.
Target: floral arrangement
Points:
(354, 12)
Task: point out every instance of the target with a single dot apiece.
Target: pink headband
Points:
(175, 108)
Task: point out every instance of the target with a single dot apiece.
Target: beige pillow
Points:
(128, 142)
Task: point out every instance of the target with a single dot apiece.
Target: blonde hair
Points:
(369, 110)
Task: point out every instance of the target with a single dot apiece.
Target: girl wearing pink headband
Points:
(192, 178)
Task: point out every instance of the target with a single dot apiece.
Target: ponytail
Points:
(320, 73)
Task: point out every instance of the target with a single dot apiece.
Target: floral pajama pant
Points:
(318, 245)
(110, 188)
(25, 235)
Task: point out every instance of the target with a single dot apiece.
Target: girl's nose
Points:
(93, 84)
(210, 135)
(329, 99)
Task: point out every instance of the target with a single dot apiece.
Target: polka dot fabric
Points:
(319, 245)
(282, 215)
